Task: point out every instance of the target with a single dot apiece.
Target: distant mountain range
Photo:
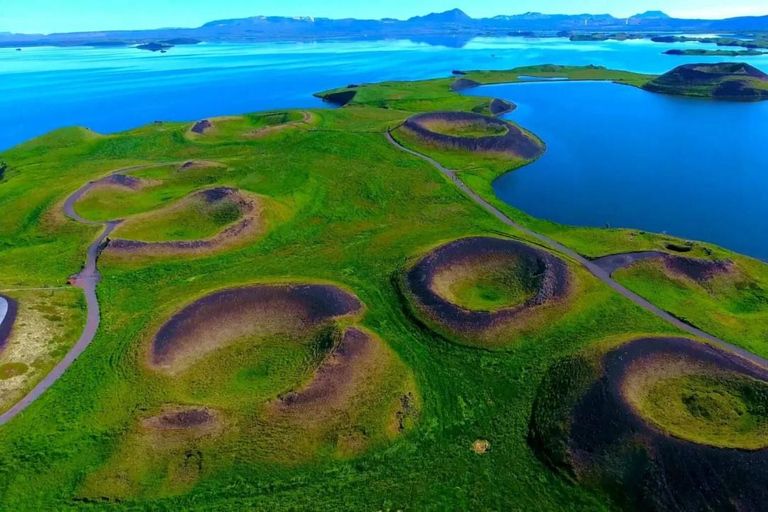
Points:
(453, 23)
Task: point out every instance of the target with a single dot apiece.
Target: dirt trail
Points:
(87, 280)
(596, 270)
(614, 262)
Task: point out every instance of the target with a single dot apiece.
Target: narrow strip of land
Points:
(601, 273)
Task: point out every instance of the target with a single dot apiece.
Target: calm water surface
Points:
(620, 156)
(113, 89)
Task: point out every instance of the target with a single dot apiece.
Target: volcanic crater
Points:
(475, 133)
(661, 423)
(248, 226)
(225, 317)
(476, 284)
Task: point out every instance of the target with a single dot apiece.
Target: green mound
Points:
(164, 184)
(488, 285)
(729, 411)
(465, 128)
(249, 125)
(734, 81)
(192, 218)
(732, 305)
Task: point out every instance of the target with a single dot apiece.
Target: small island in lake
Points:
(715, 53)
(724, 80)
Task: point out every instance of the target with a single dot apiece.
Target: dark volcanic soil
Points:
(462, 84)
(499, 107)
(182, 419)
(214, 195)
(515, 142)
(335, 373)
(6, 323)
(248, 223)
(727, 80)
(697, 269)
(340, 98)
(202, 126)
(554, 281)
(648, 470)
(122, 180)
(234, 313)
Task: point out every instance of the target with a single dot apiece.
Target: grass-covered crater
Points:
(729, 81)
(276, 373)
(227, 317)
(198, 216)
(473, 133)
(473, 287)
(660, 423)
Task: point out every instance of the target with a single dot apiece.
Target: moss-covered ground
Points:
(350, 209)
(733, 306)
(720, 410)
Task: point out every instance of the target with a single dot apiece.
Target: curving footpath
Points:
(86, 280)
(603, 273)
(614, 262)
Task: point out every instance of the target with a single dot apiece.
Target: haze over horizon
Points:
(96, 15)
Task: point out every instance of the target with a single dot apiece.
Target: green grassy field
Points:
(192, 219)
(733, 306)
(347, 208)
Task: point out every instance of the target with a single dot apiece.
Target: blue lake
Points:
(616, 155)
(621, 156)
(113, 89)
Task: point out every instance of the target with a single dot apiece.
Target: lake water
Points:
(639, 160)
(113, 89)
(3, 310)
(623, 157)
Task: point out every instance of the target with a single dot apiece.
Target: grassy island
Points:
(329, 309)
(735, 81)
(716, 53)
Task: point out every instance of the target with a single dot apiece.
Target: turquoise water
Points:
(620, 156)
(616, 155)
(113, 89)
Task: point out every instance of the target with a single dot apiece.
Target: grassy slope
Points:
(341, 182)
(734, 308)
(193, 221)
(480, 173)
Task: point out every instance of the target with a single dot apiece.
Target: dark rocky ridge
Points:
(202, 126)
(499, 107)
(311, 305)
(554, 283)
(340, 98)
(462, 84)
(514, 142)
(735, 81)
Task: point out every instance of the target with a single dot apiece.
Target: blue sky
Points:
(45, 16)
